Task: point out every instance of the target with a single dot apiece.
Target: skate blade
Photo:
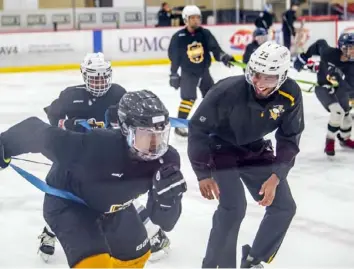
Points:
(157, 256)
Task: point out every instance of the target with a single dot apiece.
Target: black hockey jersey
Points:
(231, 113)
(76, 102)
(191, 51)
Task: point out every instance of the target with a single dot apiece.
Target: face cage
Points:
(346, 49)
(250, 72)
(143, 142)
(98, 84)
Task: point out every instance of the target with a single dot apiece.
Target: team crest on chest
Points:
(276, 111)
(195, 52)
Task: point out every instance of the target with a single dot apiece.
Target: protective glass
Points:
(149, 143)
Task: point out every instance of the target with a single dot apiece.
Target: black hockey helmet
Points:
(346, 44)
(144, 120)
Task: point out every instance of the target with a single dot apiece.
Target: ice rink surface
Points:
(321, 235)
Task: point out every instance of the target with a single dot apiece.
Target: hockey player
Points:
(190, 50)
(260, 35)
(226, 144)
(335, 80)
(288, 18)
(89, 102)
(265, 19)
(107, 169)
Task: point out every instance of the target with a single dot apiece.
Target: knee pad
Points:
(96, 261)
(135, 263)
(337, 114)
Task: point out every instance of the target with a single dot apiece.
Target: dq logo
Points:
(241, 39)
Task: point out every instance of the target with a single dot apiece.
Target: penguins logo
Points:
(195, 52)
(276, 111)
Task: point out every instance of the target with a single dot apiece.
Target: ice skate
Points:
(329, 148)
(47, 245)
(248, 261)
(160, 246)
(345, 143)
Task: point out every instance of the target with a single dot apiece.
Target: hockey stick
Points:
(30, 161)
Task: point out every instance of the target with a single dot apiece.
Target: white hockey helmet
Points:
(97, 74)
(268, 67)
(190, 10)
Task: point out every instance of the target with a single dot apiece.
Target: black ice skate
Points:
(47, 245)
(183, 132)
(160, 246)
(248, 261)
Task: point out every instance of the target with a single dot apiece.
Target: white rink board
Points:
(131, 45)
(23, 49)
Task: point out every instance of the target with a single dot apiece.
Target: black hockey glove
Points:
(335, 75)
(111, 116)
(4, 162)
(300, 62)
(168, 185)
(227, 60)
(175, 81)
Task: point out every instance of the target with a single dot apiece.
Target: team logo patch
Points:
(276, 111)
(195, 52)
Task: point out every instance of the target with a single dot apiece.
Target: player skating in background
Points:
(335, 80)
(89, 102)
(107, 169)
(260, 35)
(226, 144)
(190, 50)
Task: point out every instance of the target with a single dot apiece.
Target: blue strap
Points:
(41, 185)
(175, 122)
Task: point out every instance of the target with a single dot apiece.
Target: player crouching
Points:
(335, 84)
(108, 170)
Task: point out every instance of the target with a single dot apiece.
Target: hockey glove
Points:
(175, 81)
(335, 75)
(227, 60)
(112, 117)
(4, 162)
(168, 185)
(300, 62)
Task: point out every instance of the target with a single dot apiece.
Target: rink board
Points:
(49, 51)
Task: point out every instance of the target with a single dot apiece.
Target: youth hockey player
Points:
(260, 35)
(190, 50)
(335, 80)
(108, 169)
(89, 102)
(226, 144)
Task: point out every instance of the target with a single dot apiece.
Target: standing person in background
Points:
(190, 49)
(289, 17)
(265, 19)
(164, 16)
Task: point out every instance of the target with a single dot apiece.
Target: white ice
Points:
(321, 235)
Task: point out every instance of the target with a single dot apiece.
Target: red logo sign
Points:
(241, 38)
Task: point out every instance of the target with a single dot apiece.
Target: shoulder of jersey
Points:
(331, 54)
(172, 156)
(290, 89)
(72, 90)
